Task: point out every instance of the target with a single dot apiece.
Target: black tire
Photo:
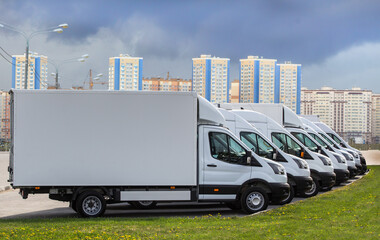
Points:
(314, 189)
(90, 204)
(286, 200)
(144, 204)
(235, 205)
(73, 205)
(254, 200)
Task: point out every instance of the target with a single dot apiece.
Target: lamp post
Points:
(56, 66)
(56, 29)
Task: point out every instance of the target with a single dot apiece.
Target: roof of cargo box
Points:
(209, 113)
(310, 124)
(278, 112)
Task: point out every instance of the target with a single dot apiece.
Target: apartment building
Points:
(5, 124)
(266, 81)
(125, 73)
(376, 118)
(211, 78)
(234, 91)
(348, 112)
(169, 84)
(37, 71)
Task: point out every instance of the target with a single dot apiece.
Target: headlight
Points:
(301, 163)
(278, 169)
(326, 161)
(348, 157)
(339, 158)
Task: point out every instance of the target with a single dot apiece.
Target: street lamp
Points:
(56, 66)
(55, 29)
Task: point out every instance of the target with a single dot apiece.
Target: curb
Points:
(5, 188)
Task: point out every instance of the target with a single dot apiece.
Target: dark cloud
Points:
(305, 32)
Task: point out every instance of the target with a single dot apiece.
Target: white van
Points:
(322, 138)
(297, 169)
(360, 161)
(321, 168)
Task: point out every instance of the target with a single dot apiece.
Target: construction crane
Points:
(92, 82)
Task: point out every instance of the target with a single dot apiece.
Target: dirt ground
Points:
(372, 157)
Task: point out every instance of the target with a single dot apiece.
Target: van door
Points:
(225, 165)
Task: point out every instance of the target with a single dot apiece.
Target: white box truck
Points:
(93, 148)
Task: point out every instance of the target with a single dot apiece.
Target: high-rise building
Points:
(289, 75)
(211, 78)
(348, 112)
(161, 84)
(376, 118)
(265, 81)
(125, 73)
(37, 71)
(5, 124)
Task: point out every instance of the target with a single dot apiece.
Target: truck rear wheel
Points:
(144, 204)
(90, 204)
(254, 199)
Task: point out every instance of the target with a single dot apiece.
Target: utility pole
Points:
(91, 81)
(26, 64)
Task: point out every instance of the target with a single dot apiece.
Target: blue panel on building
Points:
(298, 108)
(208, 80)
(240, 82)
(117, 74)
(140, 74)
(277, 84)
(257, 82)
(228, 81)
(13, 72)
(37, 78)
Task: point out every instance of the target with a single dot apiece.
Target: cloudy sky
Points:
(337, 42)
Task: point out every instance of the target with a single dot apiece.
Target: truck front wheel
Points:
(90, 204)
(313, 190)
(254, 199)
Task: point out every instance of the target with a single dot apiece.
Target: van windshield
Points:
(336, 139)
(287, 144)
(306, 141)
(328, 140)
(319, 140)
(257, 144)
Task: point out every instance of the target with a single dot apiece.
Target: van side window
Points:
(226, 149)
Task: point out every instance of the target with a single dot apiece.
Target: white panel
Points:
(155, 196)
(79, 138)
(217, 196)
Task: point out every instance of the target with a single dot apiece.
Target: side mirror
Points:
(274, 157)
(249, 157)
(319, 149)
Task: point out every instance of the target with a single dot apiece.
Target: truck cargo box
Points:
(103, 138)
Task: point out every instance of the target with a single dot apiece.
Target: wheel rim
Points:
(312, 189)
(91, 205)
(146, 203)
(255, 200)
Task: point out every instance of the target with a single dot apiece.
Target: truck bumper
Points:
(303, 184)
(279, 191)
(327, 179)
(342, 175)
(359, 168)
(353, 171)
(364, 164)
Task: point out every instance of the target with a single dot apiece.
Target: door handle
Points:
(211, 165)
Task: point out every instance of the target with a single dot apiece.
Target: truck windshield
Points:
(287, 144)
(257, 144)
(306, 141)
